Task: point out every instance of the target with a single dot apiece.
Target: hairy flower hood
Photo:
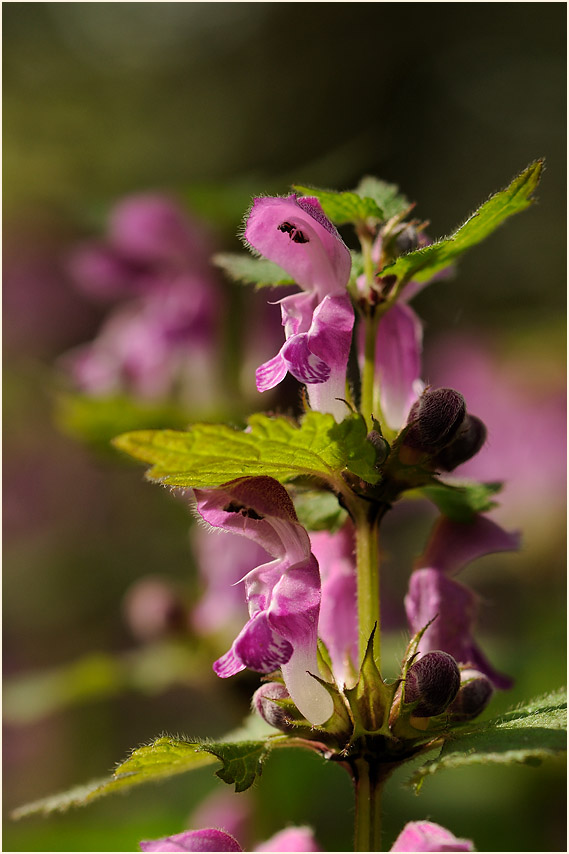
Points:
(295, 233)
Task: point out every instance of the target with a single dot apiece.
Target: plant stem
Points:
(368, 372)
(369, 787)
(367, 521)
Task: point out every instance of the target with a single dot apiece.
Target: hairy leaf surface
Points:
(421, 264)
(528, 734)
(208, 455)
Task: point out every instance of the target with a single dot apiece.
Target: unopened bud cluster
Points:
(440, 428)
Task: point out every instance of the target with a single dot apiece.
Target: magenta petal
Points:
(208, 839)
(398, 362)
(228, 665)
(300, 238)
(452, 545)
(271, 373)
(428, 836)
(291, 839)
(303, 364)
(259, 647)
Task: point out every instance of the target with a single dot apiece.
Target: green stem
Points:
(368, 372)
(369, 786)
(367, 561)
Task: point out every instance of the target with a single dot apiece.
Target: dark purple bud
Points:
(473, 697)
(435, 419)
(465, 445)
(434, 680)
(407, 239)
(273, 713)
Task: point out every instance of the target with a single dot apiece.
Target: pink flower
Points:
(433, 595)
(338, 624)
(428, 836)
(521, 397)
(294, 233)
(210, 839)
(149, 241)
(283, 596)
(397, 363)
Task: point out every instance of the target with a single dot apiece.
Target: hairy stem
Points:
(369, 785)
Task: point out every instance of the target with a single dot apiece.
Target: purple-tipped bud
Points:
(273, 713)
(473, 697)
(435, 419)
(465, 445)
(434, 680)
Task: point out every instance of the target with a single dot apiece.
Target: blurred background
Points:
(210, 104)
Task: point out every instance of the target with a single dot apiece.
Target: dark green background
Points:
(219, 101)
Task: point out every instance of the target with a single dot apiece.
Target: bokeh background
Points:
(216, 102)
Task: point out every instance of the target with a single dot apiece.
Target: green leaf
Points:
(460, 501)
(344, 207)
(319, 511)
(208, 455)
(97, 419)
(422, 264)
(528, 734)
(386, 196)
(165, 757)
(252, 271)
(149, 669)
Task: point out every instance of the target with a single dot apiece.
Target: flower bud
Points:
(465, 445)
(273, 713)
(473, 697)
(434, 680)
(435, 419)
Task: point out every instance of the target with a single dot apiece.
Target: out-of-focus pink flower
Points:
(291, 839)
(161, 340)
(222, 562)
(428, 836)
(397, 363)
(521, 400)
(149, 242)
(338, 624)
(452, 607)
(227, 811)
(153, 608)
(210, 839)
(283, 596)
(295, 233)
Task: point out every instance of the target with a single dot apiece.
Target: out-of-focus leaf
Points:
(252, 271)
(460, 501)
(528, 734)
(319, 511)
(149, 670)
(344, 207)
(97, 419)
(386, 196)
(208, 455)
(422, 264)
